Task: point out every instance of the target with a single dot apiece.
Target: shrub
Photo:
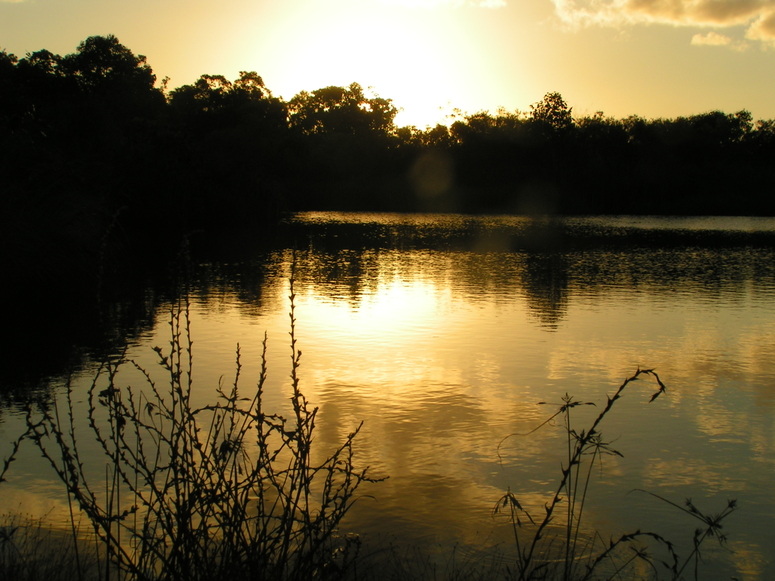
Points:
(227, 490)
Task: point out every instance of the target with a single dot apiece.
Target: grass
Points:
(31, 550)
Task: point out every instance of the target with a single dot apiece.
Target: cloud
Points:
(763, 28)
(711, 39)
(757, 16)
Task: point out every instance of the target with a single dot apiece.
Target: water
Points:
(443, 334)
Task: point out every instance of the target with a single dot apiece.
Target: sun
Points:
(409, 52)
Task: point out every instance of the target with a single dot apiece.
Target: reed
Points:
(227, 490)
(7, 461)
(30, 550)
(556, 546)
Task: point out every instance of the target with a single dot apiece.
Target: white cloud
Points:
(757, 16)
(711, 39)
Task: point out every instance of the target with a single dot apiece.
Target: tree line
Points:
(97, 155)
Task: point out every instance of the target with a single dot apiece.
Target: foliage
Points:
(553, 111)
(213, 492)
(104, 67)
(91, 144)
(227, 101)
(341, 110)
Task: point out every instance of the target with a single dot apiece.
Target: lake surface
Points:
(443, 333)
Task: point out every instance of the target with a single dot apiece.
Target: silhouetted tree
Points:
(81, 128)
(341, 110)
(348, 141)
(231, 154)
(8, 84)
(553, 111)
(213, 102)
(88, 141)
(105, 68)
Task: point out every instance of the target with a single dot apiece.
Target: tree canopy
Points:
(91, 142)
(341, 110)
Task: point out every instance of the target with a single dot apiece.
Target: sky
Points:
(652, 58)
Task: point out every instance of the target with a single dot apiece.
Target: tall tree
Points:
(106, 69)
(213, 100)
(554, 111)
(344, 110)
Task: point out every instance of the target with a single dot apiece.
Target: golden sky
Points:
(654, 58)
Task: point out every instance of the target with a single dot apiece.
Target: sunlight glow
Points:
(398, 59)
(445, 3)
(427, 56)
(393, 307)
(652, 58)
